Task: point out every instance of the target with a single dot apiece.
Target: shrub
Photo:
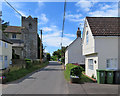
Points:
(28, 64)
(93, 76)
(69, 67)
(63, 59)
(36, 62)
(77, 71)
(26, 59)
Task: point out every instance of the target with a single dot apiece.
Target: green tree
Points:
(4, 25)
(48, 56)
(59, 54)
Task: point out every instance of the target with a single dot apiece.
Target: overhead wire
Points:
(63, 23)
(13, 8)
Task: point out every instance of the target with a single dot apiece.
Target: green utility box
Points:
(110, 76)
(117, 77)
(100, 76)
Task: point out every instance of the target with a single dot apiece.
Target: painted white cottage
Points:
(5, 51)
(100, 43)
(73, 53)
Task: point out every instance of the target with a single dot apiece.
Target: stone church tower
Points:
(29, 37)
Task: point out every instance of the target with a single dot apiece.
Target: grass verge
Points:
(17, 74)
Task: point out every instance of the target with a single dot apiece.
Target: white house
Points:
(73, 53)
(5, 51)
(100, 43)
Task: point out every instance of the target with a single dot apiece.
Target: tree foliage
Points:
(59, 54)
(48, 56)
(4, 25)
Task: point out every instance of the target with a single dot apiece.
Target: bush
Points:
(36, 62)
(77, 71)
(26, 59)
(28, 64)
(69, 67)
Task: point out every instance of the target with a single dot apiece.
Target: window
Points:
(5, 58)
(87, 38)
(1, 58)
(13, 36)
(111, 63)
(90, 64)
(6, 45)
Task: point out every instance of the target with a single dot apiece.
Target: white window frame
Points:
(111, 63)
(91, 64)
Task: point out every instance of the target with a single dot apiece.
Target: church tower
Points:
(30, 37)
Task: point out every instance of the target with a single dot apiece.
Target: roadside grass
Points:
(67, 74)
(15, 74)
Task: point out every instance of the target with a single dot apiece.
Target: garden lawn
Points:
(17, 74)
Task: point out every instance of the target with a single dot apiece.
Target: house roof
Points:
(17, 41)
(72, 43)
(5, 39)
(104, 26)
(13, 29)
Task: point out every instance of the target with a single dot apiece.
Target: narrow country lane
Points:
(49, 80)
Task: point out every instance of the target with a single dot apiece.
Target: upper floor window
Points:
(6, 45)
(13, 36)
(87, 38)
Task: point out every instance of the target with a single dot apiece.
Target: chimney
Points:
(78, 32)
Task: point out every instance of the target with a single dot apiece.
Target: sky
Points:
(50, 18)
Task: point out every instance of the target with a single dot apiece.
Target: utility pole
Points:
(41, 47)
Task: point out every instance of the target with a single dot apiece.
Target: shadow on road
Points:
(54, 64)
(52, 69)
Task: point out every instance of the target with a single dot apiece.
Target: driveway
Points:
(49, 80)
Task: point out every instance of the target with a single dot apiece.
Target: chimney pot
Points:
(78, 32)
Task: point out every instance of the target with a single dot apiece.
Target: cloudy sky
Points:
(50, 16)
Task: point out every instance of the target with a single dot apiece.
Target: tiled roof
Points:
(5, 39)
(104, 26)
(16, 41)
(13, 29)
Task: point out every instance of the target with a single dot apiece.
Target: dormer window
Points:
(87, 38)
(30, 25)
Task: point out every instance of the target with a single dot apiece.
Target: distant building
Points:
(73, 53)
(24, 38)
(101, 37)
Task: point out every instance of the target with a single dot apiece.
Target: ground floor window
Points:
(90, 64)
(111, 63)
(1, 58)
